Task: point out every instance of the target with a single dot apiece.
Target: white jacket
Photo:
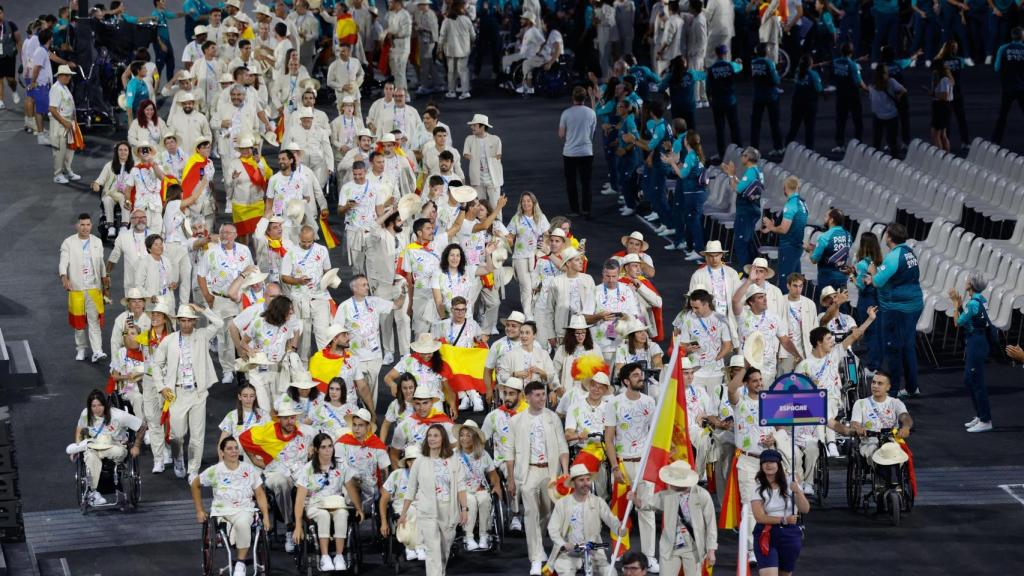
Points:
(457, 37)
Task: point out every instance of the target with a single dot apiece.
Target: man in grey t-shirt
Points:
(577, 127)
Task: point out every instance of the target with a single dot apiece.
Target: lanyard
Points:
(248, 420)
(874, 409)
(704, 326)
(308, 252)
(795, 316)
(605, 300)
(821, 371)
(96, 431)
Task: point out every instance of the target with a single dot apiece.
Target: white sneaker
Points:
(15, 98)
(535, 568)
(471, 545)
(660, 228)
(227, 207)
(521, 89)
(974, 422)
(3, 106)
(838, 150)
(833, 450)
(606, 186)
(80, 355)
(179, 467)
(239, 569)
(969, 62)
(484, 542)
(167, 454)
(339, 563)
(389, 357)
(42, 139)
(465, 96)
(981, 427)
(111, 232)
(289, 547)
(96, 499)
(158, 467)
(675, 247)
(808, 489)
(450, 95)
(421, 554)
(988, 62)
(608, 192)
(228, 378)
(626, 211)
(74, 177)
(326, 564)
(463, 401)
(410, 555)
(667, 232)
(478, 403)
(97, 356)
(652, 566)
(874, 65)
(652, 217)
(903, 393)
(60, 179)
(693, 256)
(516, 524)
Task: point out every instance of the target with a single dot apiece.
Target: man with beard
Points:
(362, 315)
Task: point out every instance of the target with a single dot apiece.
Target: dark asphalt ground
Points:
(953, 539)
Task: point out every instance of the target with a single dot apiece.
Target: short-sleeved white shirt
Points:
(632, 420)
(233, 490)
(708, 332)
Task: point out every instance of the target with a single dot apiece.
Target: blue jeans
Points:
(611, 160)
(654, 190)
(849, 30)
(899, 334)
(974, 374)
(873, 335)
(789, 262)
(978, 30)
(743, 248)
(688, 218)
(886, 29)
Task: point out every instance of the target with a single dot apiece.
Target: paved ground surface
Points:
(966, 523)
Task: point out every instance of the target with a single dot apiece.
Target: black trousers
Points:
(1004, 112)
(723, 112)
(773, 122)
(577, 181)
(960, 115)
(848, 104)
(888, 129)
(804, 111)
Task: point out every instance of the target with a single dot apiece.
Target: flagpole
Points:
(666, 377)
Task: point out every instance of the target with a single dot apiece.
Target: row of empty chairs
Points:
(995, 158)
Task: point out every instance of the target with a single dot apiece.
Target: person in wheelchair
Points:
(808, 452)
(576, 521)
(480, 474)
(113, 185)
(102, 434)
(824, 364)
(393, 494)
(877, 413)
(364, 455)
(837, 322)
(127, 368)
(318, 486)
(235, 485)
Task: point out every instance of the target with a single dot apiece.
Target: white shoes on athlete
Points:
(536, 568)
(981, 427)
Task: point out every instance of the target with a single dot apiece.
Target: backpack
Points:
(753, 192)
(704, 178)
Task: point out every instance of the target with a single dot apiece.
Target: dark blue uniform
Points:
(722, 96)
(846, 77)
(1010, 66)
(766, 96)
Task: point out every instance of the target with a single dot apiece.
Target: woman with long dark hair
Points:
(681, 83)
(942, 105)
(320, 479)
(107, 433)
(689, 197)
(114, 183)
(147, 127)
(453, 278)
(401, 407)
(576, 342)
(246, 413)
(269, 333)
(777, 537)
(424, 362)
(869, 254)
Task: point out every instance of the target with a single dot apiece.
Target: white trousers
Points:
(397, 319)
(425, 72)
(93, 334)
(315, 327)
(62, 155)
(479, 504)
(239, 528)
(280, 484)
(437, 535)
(268, 385)
(322, 519)
(523, 268)
(109, 201)
(94, 461)
(458, 74)
(188, 417)
(645, 514)
(672, 560)
(398, 60)
(227, 309)
(746, 470)
(153, 404)
(179, 253)
(537, 506)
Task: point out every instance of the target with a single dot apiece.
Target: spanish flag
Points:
(76, 307)
(266, 440)
(167, 181)
(165, 419)
(671, 440)
(330, 239)
(618, 505)
(374, 442)
(246, 216)
(259, 173)
(276, 246)
(463, 367)
(279, 130)
(324, 366)
(659, 320)
(591, 455)
(382, 61)
(910, 463)
(729, 517)
(346, 30)
(192, 174)
(434, 417)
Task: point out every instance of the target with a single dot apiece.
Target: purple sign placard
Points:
(793, 408)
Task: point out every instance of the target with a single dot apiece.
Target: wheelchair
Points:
(821, 479)
(495, 532)
(122, 479)
(391, 550)
(555, 82)
(307, 552)
(218, 553)
(103, 227)
(893, 496)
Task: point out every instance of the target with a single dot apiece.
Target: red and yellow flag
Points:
(246, 216)
(192, 174)
(76, 307)
(259, 173)
(324, 366)
(165, 419)
(167, 181)
(266, 440)
(346, 30)
(729, 517)
(910, 462)
(671, 440)
(330, 239)
(591, 456)
(463, 367)
(659, 318)
(618, 505)
(374, 441)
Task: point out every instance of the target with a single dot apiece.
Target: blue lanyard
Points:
(248, 420)
(310, 251)
(704, 326)
(605, 300)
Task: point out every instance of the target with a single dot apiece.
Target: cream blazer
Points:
(702, 518)
(732, 281)
(558, 302)
(519, 359)
(147, 274)
(423, 491)
(519, 448)
(493, 147)
(595, 513)
(72, 258)
(808, 321)
(169, 353)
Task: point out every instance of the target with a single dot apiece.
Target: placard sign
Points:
(793, 400)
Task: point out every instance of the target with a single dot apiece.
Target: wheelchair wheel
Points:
(261, 550)
(782, 64)
(353, 546)
(821, 479)
(499, 521)
(894, 503)
(854, 486)
(82, 484)
(908, 490)
(216, 552)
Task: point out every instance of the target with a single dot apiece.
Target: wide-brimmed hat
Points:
(759, 263)
(687, 364)
(636, 236)
(186, 311)
(409, 206)
(627, 326)
(271, 138)
(254, 278)
(64, 69)
(422, 393)
(599, 378)
(425, 344)
(568, 254)
(288, 408)
(293, 146)
(330, 279)
(263, 9)
(713, 247)
(332, 502)
(334, 329)
(578, 470)
(303, 384)
(104, 442)
(347, 100)
(187, 97)
(169, 134)
(513, 383)
(364, 132)
(364, 415)
(305, 113)
(139, 146)
(295, 209)
(480, 119)
(412, 451)
(387, 138)
(463, 194)
(133, 293)
(201, 29)
(826, 292)
(528, 17)
(226, 78)
(309, 84)
(515, 316)
(255, 360)
(754, 290)
(229, 30)
(737, 361)
(679, 474)
(889, 454)
(633, 258)
(164, 308)
(753, 349)
(200, 141)
(578, 322)
(469, 425)
(408, 534)
(559, 487)
(245, 142)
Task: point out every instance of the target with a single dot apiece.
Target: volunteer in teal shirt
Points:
(790, 230)
(973, 318)
(832, 252)
(898, 281)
